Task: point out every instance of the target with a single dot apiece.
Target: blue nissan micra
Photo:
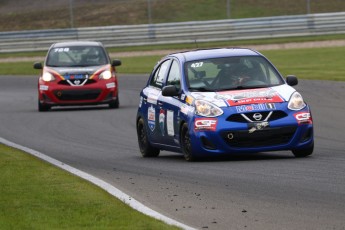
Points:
(215, 102)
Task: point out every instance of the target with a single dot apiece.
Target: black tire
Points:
(186, 144)
(303, 152)
(43, 107)
(145, 147)
(115, 103)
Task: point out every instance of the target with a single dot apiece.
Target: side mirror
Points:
(170, 91)
(116, 62)
(291, 80)
(38, 65)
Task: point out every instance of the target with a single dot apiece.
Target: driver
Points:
(232, 76)
(241, 72)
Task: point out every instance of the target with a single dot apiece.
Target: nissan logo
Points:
(257, 116)
(76, 82)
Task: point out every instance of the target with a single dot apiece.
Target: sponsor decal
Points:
(151, 118)
(153, 98)
(303, 118)
(270, 106)
(162, 121)
(44, 87)
(183, 96)
(74, 76)
(257, 126)
(110, 85)
(252, 96)
(255, 107)
(170, 123)
(205, 124)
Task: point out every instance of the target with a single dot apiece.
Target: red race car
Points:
(77, 73)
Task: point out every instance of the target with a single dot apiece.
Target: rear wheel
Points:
(144, 145)
(303, 152)
(186, 144)
(42, 107)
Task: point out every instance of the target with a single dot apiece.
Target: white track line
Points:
(100, 183)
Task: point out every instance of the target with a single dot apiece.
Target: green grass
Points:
(36, 195)
(317, 63)
(18, 68)
(56, 14)
(232, 43)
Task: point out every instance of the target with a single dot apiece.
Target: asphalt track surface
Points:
(259, 191)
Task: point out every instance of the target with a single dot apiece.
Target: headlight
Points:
(296, 102)
(207, 109)
(105, 75)
(48, 77)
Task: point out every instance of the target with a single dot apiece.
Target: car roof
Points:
(76, 43)
(214, 53)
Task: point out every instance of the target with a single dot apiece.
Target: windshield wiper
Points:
(201, 89)
(54, 65)
(79, 65)
(243, 87)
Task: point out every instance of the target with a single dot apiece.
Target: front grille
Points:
(278, 114)
(259, 138)
(64, 82)
(75, 95)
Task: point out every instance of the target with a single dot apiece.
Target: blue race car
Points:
(215, 102)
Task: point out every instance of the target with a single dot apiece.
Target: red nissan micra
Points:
(77, 73)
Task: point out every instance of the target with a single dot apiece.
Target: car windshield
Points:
(76, 56)
(244, 72)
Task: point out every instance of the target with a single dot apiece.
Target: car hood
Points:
(277, 94)
(88, 71)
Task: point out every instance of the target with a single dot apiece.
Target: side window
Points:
(157, 79)
(174, 75)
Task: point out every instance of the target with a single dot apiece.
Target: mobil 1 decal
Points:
(162, 121)
(151, 118)
(255, 107)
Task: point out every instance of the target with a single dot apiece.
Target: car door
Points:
(169, 107)
(149, 102)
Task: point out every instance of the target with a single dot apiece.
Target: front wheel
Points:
(303, 152)
(43, 107)
(186, 144)
(115, 103)
(146, 149)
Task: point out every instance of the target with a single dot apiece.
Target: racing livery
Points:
(77, 73)
(221, 101)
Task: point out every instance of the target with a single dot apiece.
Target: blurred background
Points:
(53, 14)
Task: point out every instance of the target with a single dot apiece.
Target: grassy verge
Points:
(36, 195)
(317, 63)
(235, 43)
(23, 16)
